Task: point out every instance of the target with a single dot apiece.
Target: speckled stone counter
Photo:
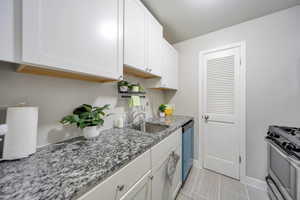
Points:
(69, 169)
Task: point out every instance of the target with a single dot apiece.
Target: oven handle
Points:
(293, 161)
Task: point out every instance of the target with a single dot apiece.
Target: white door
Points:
(140, 191)
(222, 110)
(74, 35)
(135, 34)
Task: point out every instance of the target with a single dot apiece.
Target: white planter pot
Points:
(161, 114)
(124, 89)
(91, 132)
(135, 89)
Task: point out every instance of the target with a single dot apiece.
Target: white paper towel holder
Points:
(20, 139)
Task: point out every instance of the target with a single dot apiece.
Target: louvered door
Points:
(221, 111)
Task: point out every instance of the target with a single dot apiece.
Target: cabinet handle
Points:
(151, 177)
(120, 187)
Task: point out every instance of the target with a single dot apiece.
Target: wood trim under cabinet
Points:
(138, 73)
(163, 89)
(27, 69)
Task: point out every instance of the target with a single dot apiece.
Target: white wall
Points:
(57, 97)
(273, 77)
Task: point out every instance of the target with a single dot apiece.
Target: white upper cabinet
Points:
(171, 66)
(142, 40)
(169, 69)
(155, 39)
(74, 35)
(10, 34)
(135, 34)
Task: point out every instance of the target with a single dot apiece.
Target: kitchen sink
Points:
(149, 127)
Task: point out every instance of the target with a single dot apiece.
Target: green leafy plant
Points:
(141, 88)
(86, 116)
(162, 107)
(123, 83)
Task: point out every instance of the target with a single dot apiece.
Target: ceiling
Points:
(185, 19)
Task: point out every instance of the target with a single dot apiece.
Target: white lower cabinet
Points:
(164, 188)
(116, 186)
(145, 177)
(141, 190)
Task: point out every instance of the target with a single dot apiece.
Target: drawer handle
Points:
(120, 188)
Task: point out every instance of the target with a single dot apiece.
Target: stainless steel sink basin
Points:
(149, 127)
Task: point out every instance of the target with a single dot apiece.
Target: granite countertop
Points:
(69, 169)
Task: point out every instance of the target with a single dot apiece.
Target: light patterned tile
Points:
(232, 196)
(192, 181)
(208, 187)
(256, 194)
(231, 188)
(182, 196)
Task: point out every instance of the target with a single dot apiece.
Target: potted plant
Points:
(123, 86)
(134, 87)
(162, 108)
(87, 118)
(141, 88)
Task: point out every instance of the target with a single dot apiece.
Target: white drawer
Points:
(162, 150)
(125, 178)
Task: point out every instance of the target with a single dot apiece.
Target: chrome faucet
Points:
(138, 114)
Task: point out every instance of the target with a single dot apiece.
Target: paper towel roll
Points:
(3, 129)
(21, 136)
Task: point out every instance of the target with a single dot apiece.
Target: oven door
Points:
(283, 172)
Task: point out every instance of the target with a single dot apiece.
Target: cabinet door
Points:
(135, 34)
(166, 65)
(74, 35)
(106, 190)
(173, 68)
(176, 184)
(161, 188)
(155, 39)
(10, 34)
(140, 191)
(169, 66)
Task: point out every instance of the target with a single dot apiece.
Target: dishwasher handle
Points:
(188, 125)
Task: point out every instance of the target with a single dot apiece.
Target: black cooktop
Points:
(288, 138)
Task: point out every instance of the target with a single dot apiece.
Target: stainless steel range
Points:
(283, 163)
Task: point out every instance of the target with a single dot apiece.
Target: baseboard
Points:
(197, 164)
(256, 183)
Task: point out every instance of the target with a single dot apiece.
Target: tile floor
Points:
(207, 185)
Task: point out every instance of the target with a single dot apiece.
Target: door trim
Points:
(242, 46)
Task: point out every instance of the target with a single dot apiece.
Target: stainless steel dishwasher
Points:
(187, 149)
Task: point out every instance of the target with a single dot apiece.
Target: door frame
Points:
(242, 151)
